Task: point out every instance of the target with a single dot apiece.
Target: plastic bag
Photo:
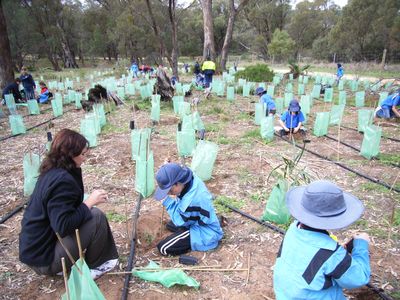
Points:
(186, 142)
(276, 210)
(176, 100)
(139, 143)
(321, 124)
(267, 128)
(31, 164)
(17, 124)
(144, 180)
(342, 97)
(360, 99)
(336, 114)
(167, 278)
(371, 141)
(57, 106)
(155, 108)
(230, 93)
(365, 117)
(260, 111)
(82, 286)
(33, 107)
(328, 95)
(204, 158)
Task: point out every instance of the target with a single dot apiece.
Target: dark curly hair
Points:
(66, 145)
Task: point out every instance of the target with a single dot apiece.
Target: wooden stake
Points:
(162, 221)
(78, 240)
(183, 269)
(65, 275)
(67, 251)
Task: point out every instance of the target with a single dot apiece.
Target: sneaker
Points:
(103, 268)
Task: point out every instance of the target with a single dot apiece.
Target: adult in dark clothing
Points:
(56, 206)
(13, 89)
(28, 83)
(197, 69)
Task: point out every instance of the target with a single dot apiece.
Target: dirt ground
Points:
(241, 173)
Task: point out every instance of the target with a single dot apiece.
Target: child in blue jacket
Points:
(388, 108)
(311, 264)
(267, 100)
(292, 120)
(28, 84)
(189, 204)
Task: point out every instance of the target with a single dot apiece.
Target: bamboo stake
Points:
(68, 253)
(183, 269)
(65, 275)
(78, 240)
(248, 269)
(161, 221)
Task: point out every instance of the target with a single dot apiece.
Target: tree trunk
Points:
(174, 53)
(69, 59)
(53, 60)
(229, 30)
(6, 65)
(208, 26)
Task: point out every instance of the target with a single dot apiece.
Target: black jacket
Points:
(12, 88)
(55, 206)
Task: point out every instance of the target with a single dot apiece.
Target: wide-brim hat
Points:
(294, 106)
(323, 205)
(260, 90)
(168, 175)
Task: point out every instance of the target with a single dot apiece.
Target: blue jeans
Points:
(207, 78)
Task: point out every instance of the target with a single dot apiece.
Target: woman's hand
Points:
(96, 197)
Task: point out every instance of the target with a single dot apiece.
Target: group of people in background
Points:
(28, 91)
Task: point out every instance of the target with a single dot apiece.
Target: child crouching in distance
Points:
(388, 107)
(267, 100)
(292, 120)
(194, 224)
(311, 264)
(44, 93)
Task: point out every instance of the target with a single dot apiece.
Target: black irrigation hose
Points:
(377, 181)
(385, 137)
(375, 289)
(33, 127)
(358, 150)
(12, 213)
(132, 251)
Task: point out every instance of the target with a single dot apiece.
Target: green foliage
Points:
(221, 208)
(112, 128)
(389, 158)
(396, 220)
(282, 45)
(370, 186)
(252, 134)
(297, 70)
(257, 73)
(113, 216)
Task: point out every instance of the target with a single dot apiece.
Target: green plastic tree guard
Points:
(365, 118)
(184, 109)
(17, 124)
(336, 114)
(31, 164)
(276, 210)
(288, 98)
(321, 124)
(328, 95)
(78, 100)
(316, 91)
(383, 96)
(204, 158)
(88, 130)
(130, 89)
(81, 286)
(230, 93)
(354, 85)
(187, 122)
(360, 99)
(57, 106)
(289, 88)
(144, 180)
(279, 105)
(197, 122)
(246, 90)
(305, 104)
(10, 102)
(341, 85)
(186, 142)
(140, 141)
(371, 141)
(342, 97)
(100, 116)
(33, 107)
(155, 108)
(305, 79)
(176, 100)
(267, 128)
(271, 90)
(260, 111)
(300, 89)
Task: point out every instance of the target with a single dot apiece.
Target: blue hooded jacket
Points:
(28, 82)
(195, 211)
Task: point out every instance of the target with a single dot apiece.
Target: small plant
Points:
(115, 217)
(221, 208)
(254, 133)
(148, 238)
(297, 70)
(257, 73)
